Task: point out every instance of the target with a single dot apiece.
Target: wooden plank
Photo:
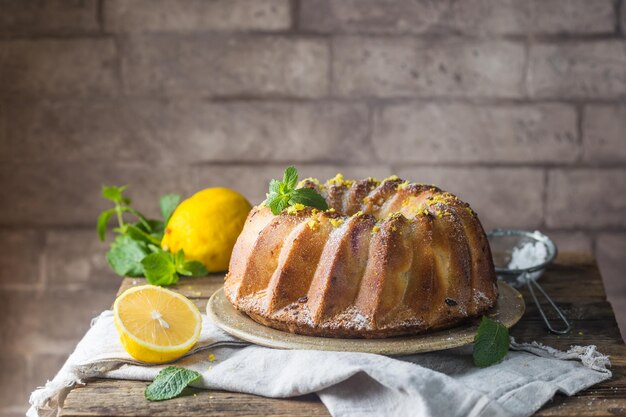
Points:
(573, 281)
(113, 398)
(125, 398)
(201, 287)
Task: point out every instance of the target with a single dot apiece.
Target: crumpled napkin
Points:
(349, 384)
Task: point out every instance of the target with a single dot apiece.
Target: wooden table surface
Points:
(573, 281)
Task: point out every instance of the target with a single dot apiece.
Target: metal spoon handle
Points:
(530, 283)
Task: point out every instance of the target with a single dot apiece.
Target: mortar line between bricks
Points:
(43, 264)
(100, 15)
(307, 34)
(88, 35)
(330, 75)
(369, 136)
(594, 244)
(82, 227)
(526, 69)
(617, 7)
(580, 114)
(9, 98)
(544, 200)
(294, 12)
(514, 165)
(573, 165)
(454, 36)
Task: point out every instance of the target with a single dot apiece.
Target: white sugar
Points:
(528, 255)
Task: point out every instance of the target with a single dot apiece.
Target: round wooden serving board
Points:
(509, 309)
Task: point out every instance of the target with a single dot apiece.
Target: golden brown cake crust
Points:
(388, 258)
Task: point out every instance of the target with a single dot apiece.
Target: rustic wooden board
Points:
(574, 282)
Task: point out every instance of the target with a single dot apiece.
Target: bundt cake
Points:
(387, 258)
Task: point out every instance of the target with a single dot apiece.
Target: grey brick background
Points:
(518, 106)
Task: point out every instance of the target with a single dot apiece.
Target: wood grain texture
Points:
(573, 281)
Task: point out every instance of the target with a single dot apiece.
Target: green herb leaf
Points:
(491, 343)
(284, 193)
(114, 193)
(159, 269)
(179, 258)
(275, 187)
(193, 269)
(170, 383)
(168, 204)
(189, 268)
(125, 256)
(278, 204)
(103, 221)
(308, 197)
(290, 177)
(135, 232)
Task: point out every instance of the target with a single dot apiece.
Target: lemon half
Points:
(156, 325)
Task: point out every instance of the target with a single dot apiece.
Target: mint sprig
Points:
(283, 194)
(491, 343)
(136, 250)
(170, 383)
(163, 268)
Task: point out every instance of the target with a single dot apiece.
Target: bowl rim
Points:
(537, 236)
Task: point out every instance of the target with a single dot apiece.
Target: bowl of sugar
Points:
(520, 257)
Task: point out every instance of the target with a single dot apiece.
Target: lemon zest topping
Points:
(315, 181)
(375, 229)
(403, 186)
(313, 224)
(295, 208)
(339, 181)
(391, 178)
(336, 222)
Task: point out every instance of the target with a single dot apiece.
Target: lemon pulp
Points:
(155, 324)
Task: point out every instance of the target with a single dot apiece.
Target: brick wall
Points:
(517, 106)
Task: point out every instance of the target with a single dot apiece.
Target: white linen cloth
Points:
(442, 383)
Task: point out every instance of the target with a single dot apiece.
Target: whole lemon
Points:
(206, 225)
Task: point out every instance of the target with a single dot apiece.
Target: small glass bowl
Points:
(502, 243)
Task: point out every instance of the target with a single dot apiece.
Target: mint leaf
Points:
(283, 193)
(278, 204)
(114, 193)
(192, 269)
(189, 268)
(103, 220)
(308, 197)
(125, 256)
(491, 343)
(170, 383)
(135, 232)
(159, 269)
(179, 258)
(168, 204)
(290, 177)
(275, 187)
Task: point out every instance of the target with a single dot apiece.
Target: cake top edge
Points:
(374, 192)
